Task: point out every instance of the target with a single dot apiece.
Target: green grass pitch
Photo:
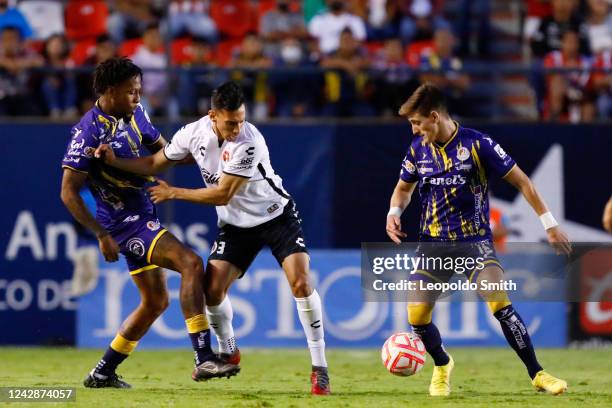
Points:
(280, 378)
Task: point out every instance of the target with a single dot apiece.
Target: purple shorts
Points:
(137, 240)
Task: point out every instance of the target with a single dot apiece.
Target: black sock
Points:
(430, 336)
(201, 346)
(517, 336)
(109, 362)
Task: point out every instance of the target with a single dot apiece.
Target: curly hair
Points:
(114, 71)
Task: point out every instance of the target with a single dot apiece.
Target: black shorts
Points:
(240, 246)
(481, 253)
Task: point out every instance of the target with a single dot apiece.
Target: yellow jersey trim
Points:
(451, 138)
(508, 172)
(144, 268)
(152, 246)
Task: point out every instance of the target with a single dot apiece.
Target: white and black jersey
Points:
(262, 198)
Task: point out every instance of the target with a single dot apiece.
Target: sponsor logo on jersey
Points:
(500, 152)
(250, 151)
(89, 152)
(136, 246)
(210, 178)
(153, 225)
(463, 166)
(424, 170)
(247, 161)
(273, 208)
(116, 145)
(131, 218)
(463, 153)
(225, 156)
(409, 166)
(202, 151)
(456, 180)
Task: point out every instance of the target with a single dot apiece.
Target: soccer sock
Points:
(220, 318)
(311, 316)
(517, 336)
(199, 333)
(119, 349)
(430, 335)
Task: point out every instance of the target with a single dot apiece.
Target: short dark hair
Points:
(425, 99)
(114, 71)
(228, 96)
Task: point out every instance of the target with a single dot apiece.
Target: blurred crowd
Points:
(296, 58)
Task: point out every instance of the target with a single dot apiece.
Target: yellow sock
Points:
(122, 345)
(196, 323)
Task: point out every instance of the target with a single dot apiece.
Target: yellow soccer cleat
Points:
(546, 382)
(440, 380)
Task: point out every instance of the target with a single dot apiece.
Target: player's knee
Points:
(419, 314)
(191, 264)
(300, 287)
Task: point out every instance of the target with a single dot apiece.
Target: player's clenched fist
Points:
(394, 229)
(105, 153)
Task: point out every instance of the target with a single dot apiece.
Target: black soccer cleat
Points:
(111, 381)
(214, 368)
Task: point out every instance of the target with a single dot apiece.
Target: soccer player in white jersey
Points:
(253, 210)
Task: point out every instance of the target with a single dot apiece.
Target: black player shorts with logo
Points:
(459, 252)
(240, 246)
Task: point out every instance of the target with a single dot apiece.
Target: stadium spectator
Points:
(130, 19)
(197, 81)
(293, 89)
(599, 23)
(59, 86)
(250, 59)
(345, 82)
(151, 58)
(15, 61)
(547, 37)
(104, 49)
(12, 17)
(536, 11)
(568, 96)
(191, 17)
(279, 24)
(381, 17)
(445, 71)
(326, 27)
(602, 84)
(394, 81)
(420, 21)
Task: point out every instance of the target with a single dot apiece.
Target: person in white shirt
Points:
(253, 209)
(326, 27)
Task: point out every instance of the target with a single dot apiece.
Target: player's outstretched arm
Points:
(399, 201)
(72, 182)
(148, 165)
(221, 195)
(557, 238)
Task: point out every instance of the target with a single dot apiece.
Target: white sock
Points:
(311, 316)
(220, 319)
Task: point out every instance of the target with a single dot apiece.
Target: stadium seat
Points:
(234, 18)
(82, 50)
(180, 50)
(129, 47)
(415, 50)
(373, 47)
(225, 50)
(85, 19)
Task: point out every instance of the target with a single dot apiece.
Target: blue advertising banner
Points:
(265, 313)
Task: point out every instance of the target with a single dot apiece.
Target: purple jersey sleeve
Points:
(149, 133)
(81, 148)
(495, 160)
(408, 173)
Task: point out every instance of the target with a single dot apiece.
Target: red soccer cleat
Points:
(320, 381)
(233, 358)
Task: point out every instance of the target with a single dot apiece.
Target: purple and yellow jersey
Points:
(453, 184)
(118, 194)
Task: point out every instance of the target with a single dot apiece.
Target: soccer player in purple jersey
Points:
(126, 221)
(451, 165)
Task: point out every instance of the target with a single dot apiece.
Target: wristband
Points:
(396, 211)
(548, 221)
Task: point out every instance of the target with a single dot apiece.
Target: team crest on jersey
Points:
(500, 152)
(463, 153)
(136, 246)
(153, 225)
(409, 166)
(225, 156)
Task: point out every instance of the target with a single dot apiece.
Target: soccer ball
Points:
(403, 354)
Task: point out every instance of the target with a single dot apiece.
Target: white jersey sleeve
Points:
(244, 159)
(178, 148)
